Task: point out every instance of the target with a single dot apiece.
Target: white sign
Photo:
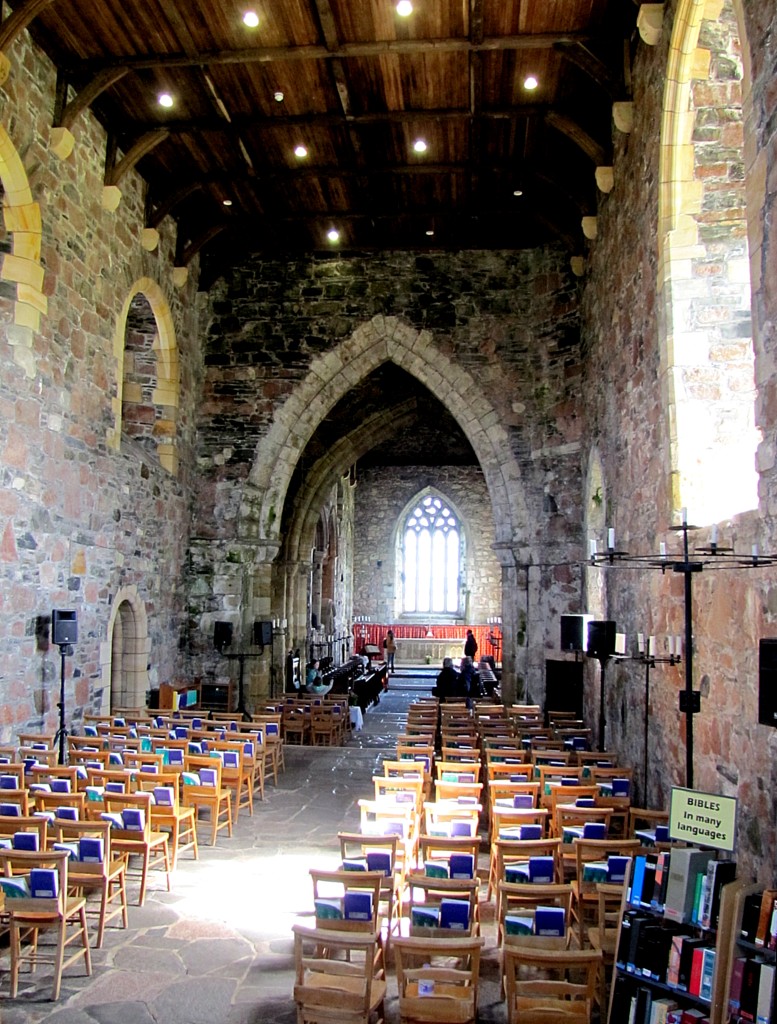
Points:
(704, 819)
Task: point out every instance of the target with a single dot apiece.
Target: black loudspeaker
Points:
(222, 635)
(64, 627)
(573, 635)
(767, 682)
(601, 638)
(263, 634)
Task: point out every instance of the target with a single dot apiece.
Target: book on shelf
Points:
(25, 841)
(660, 1009)
(357, 906)
(329, 908)
(709, 957)
(550, 921)
(751, 912)
(735, 985)
(719, 873)
(454, 914)
(462, 865)
(765, 917)
(685, 865)
(689, 946)
(422, 916)
(44, 883)
(765, 994)
(518, 924)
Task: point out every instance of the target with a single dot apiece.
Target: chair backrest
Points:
(18, 865)
(591, 857)
(552, 990)
(360, 889)
(439, 894)
(139, 827)
(330, 987)
(28, 823)
(74, 832)
(518, 903)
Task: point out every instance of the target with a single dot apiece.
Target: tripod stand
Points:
(61, 736)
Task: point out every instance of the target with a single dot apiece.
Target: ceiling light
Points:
(251, 19)
(430, 232)
(404, 8)
(530, 82)
(518, 192)
(333, 235)
(278, 96)
(419, 146)
(300, 151)
(164, 99)
(226, 202)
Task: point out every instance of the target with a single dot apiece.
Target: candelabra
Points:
(686, 564)
(646, 646)
(495, 638)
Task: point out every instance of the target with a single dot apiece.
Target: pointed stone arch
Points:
(709, 241)
(22, 266)
(165, 395)
(125, 653)
(334, 373)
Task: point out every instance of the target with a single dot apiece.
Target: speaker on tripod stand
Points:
(64, 633)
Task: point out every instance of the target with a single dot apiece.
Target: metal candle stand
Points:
(711, 557)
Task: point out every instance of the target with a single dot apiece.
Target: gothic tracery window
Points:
(431, 552)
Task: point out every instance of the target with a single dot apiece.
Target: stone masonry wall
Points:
(79, 520)
(380, 499)
(629, 421)
(511, 319)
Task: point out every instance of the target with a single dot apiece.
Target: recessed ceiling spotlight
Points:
(278, 96)
(333, 235)
(419, 146)
(300, 151)
(251, 19)
(226, 202)
(404, 8)
(518, 192)
(164, 99)
(430, 232)
(530, 82)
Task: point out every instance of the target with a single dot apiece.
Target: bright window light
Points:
(431, 555)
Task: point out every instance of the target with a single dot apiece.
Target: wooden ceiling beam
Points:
(186, 252)
(579, 55)
(86, 96)
(150, 140)
(271, 54)
(21, 17)
(592, 149)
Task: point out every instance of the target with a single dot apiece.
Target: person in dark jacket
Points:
(448, 683)
(470, 645)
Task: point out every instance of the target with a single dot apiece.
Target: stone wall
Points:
(630, 417)
(381, 497)
(80, 520)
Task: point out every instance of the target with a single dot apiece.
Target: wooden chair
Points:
(545, 987)
(51, 802)
(29, 823)
(410, 768)
(434, 992)
(433, 891)
(213, 798)
(107, 876)
(29, 915)
(331, 888)
(14, 798)
(451, 818)
(400, 789)
(431, 848)
(603, 935)
(523, 899)
(459, 770)
(168, 815)
(144, 842)
(506, 852)
(355, 845)
(236, 775)
(590, 854)
(296, 726)
(330, 990)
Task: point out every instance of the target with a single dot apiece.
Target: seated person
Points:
(469, 678)
(448, 683)
(313, 680)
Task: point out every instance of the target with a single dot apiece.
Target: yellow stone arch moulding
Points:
(166, 392)
(22, 266)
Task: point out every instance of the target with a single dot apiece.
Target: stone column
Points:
(316, 587)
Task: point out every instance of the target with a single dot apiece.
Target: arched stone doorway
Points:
(125, 668)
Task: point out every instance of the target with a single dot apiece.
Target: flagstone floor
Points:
(217, 949)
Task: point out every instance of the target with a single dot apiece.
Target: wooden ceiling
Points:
(358, 85)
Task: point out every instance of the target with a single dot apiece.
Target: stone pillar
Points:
(316, 587)
(513, 631)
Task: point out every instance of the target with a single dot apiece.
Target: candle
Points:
(611, 539)
(714, 536)
(678, 646)
(592, 547)
(651, 645)
(662, 548)
(641, 643)
(755, 551)
(685, 516)
(620, 643)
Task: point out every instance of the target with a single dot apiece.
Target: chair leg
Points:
(59, 958)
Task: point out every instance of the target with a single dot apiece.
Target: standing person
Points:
(470, 645)
(390, 646)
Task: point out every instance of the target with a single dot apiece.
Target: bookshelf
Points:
(172, 696)
(631, 975)
(740, 947)
(216, 696)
